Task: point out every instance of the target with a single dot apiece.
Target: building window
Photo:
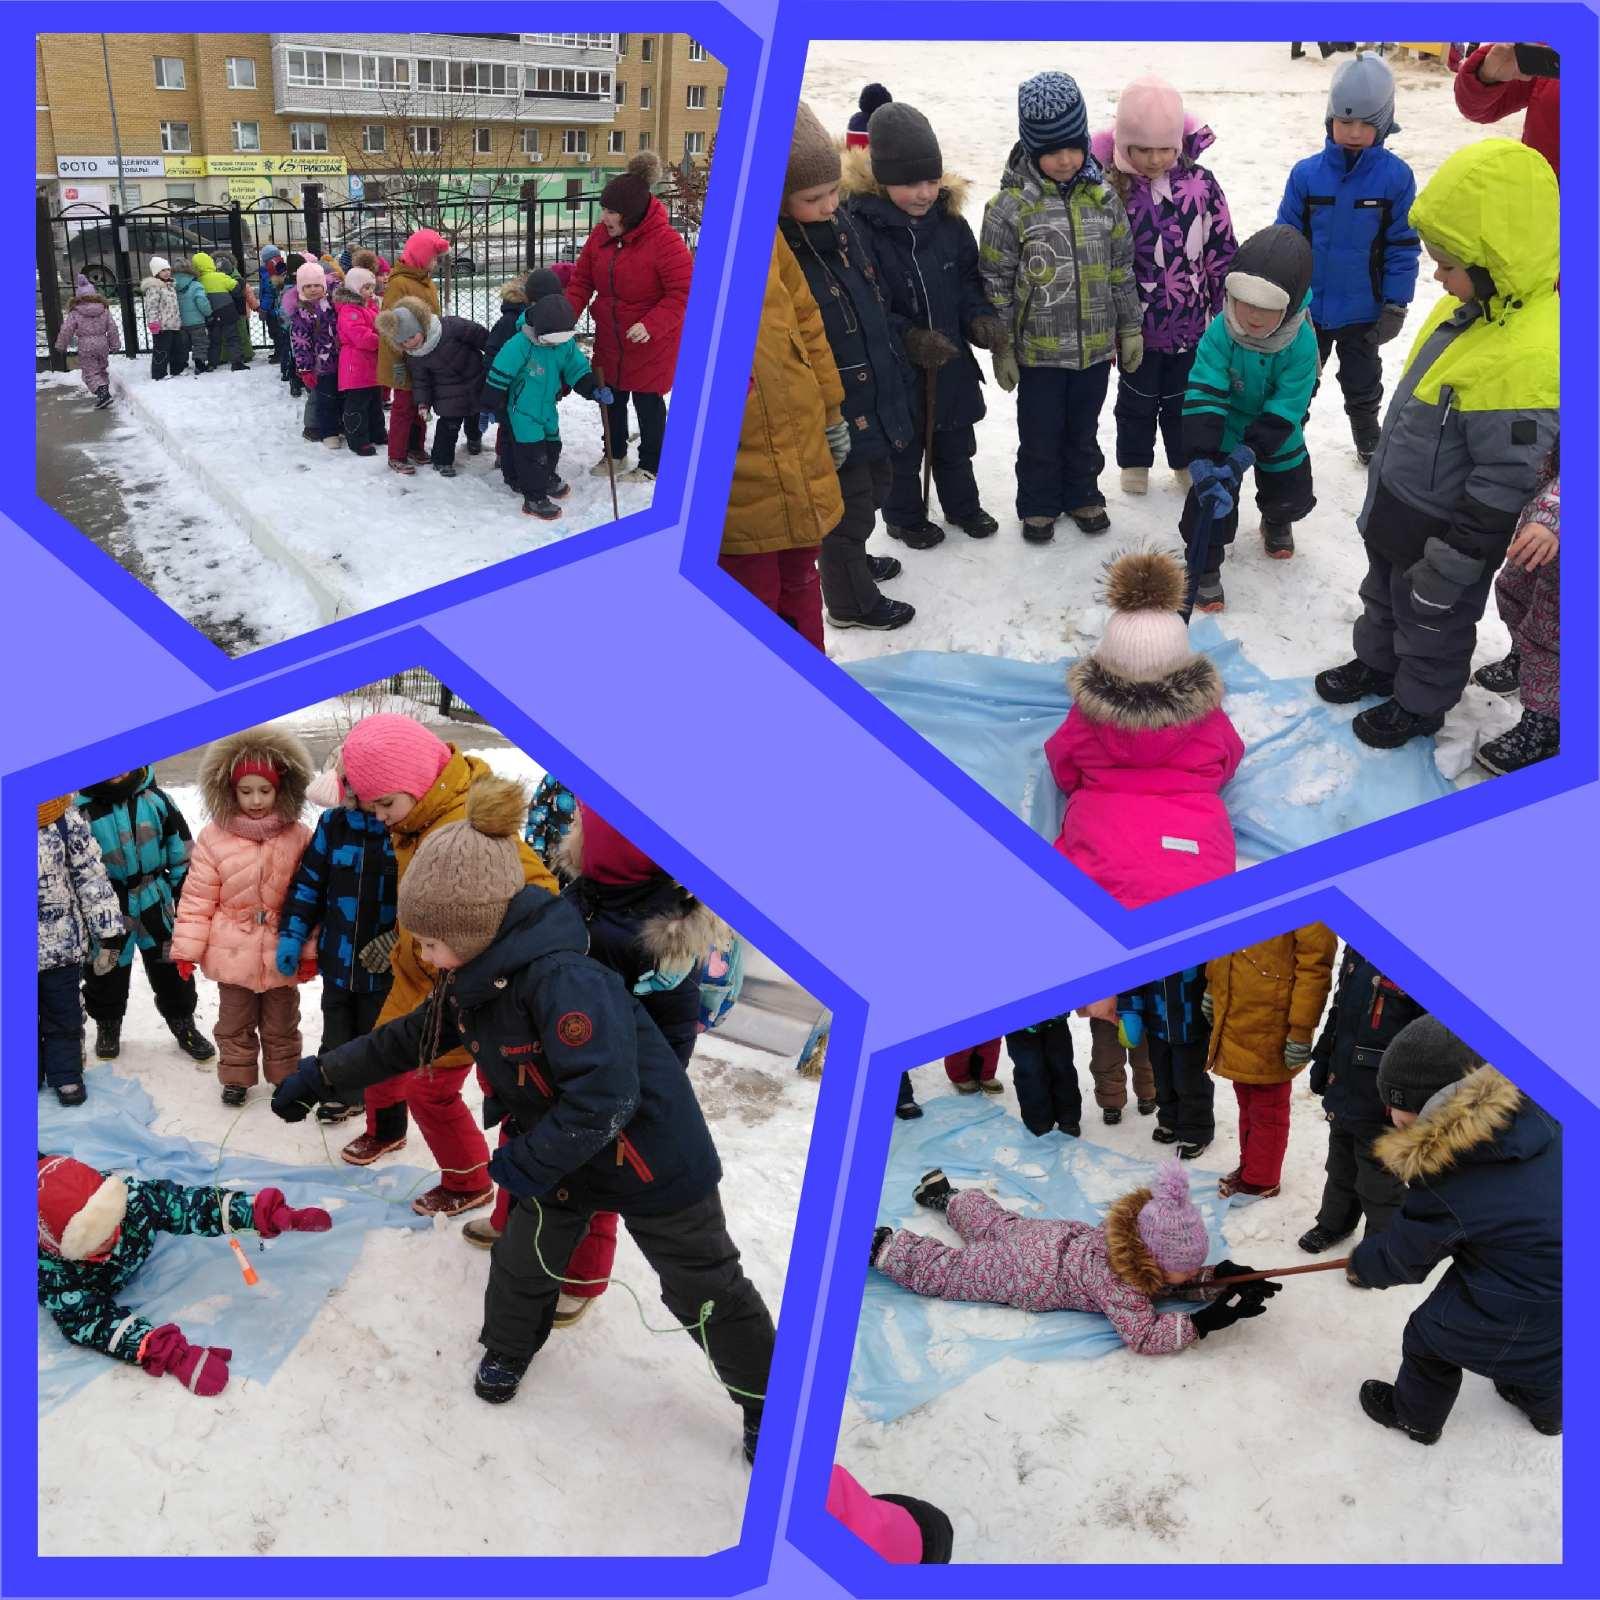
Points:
(482, 141)
(644, 96)
(694, 144)
(133, 193)
(529, 143)
(697, 51)
(647, 48)
(308, 137)
(427, 140)
(181, 191)
(241, 72)
(622, 93)
(622, 44)
(175, 138)
(618, 144)
(721, 89)
(575, 141)
(247, 136)
(374, 139)
(566, 83)
(575, 41)
(169, 72)
(695, 99)
(646, 141)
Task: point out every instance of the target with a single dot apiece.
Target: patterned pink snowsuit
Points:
(1530, 606)
(1036, 1264)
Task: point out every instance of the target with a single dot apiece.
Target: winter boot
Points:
(1377, 1400)
(557, 488)
(363, 1150)
(1343, 686)
(571, 1308)
(752, 1437)
(918, 535)
(474, 447)
(1315, 1240)
(1234, 1184)
(1162, 1134)
(498, 1377)
(979, 525)
(444, 469)
(884, 617)
(1038, 530)
(966, 1086)
(480, 1232)
(1549, 1426)
(234, 1094)
(1208, 595)
(442, 1202)
(1073, 1130)
(1136, 480)
(334, 441)
(884, 568)
(1111, 1116)
(336, 1111)
(1146, 1107)
(1365, 431)
(1354, 1282)
(880, 1237)
(108, 1039)
(363, 449)
(545, 509)
(1390, 725)
(636, 475)
(191, 1041)
(404, 468)
(1536, 738)
(991, 1085)
(934, 1191)
(1501, 677)
(418, 458)
(1190, 1152)
(1090, 519)
(1278, 539)
(601, 468)
(72, 1094)
(908, 1111)
(311, 436)
(1180, 479)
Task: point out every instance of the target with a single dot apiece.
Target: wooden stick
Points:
(605, 437)
(1277, 1272)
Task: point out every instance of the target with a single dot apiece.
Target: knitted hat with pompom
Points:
(1170, 1223)
(80, 1209)
(1146, 636)
(392, 754)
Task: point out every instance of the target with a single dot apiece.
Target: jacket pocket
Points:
(628, 1152)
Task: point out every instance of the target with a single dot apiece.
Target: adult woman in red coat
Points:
(636, 271)
(1490, 85)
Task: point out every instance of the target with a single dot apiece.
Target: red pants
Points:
(980, 1063)
(406, 429)
(1263, 1131)
(433, 1096)
(784, 581)
(596, 1251)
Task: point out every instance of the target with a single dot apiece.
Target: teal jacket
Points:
(526, 380)
(1238, 395)
(144, 843)
(194, 304)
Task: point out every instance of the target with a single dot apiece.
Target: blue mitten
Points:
(603, 395)
(1214, 484)
(1130, 1029)
(287, 960)
(658, 980)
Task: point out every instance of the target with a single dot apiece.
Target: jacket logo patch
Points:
(574, 1029)
(512, 1051)
(1524, 431)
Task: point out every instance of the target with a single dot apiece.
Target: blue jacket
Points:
(347, 883)
(1357, 217)
(1483, 1187)
(1170, 1007)
(269, 293)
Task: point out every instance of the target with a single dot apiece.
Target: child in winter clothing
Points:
(444, 357)
(1111, 1062)
(96, 1231)
(909, 209)
(1168, 1017)
(288, 300)
(1368, 1011)
(254, 785)
(89, 321)
(1183, 245)
(1058, 265)
(1471, 423)
(1147, 748)
(226, 298)
(527, 377)
(1151, 1242)
(164, 320)
(605, 1116)
(411, 275)
(550, 817)
(1482, 1168)
(1528, 592)
(1353, 204)
(144, 843)
(355, 306)
(1046, 1078)
(1263, 1004)
(902, 1530)
(868, 101)
(1249, 387)
(194, 307)
(833, 254)
(78, 913)
(274, 277)
(314, 336)
(513, 302)
(976, 1069)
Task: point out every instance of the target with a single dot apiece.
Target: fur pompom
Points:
(497, 807)
(1145, 580)
(646, 165)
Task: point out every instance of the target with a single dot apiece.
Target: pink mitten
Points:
(274, 1215)
(202, 1369)
(155, 327)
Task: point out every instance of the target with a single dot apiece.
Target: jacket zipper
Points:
(1446, 395)
(616, 323)
(1077, 277)
(627, 1152)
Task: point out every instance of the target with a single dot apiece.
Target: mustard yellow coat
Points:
(1263, 996)
(785, 492)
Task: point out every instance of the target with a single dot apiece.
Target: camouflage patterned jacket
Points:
(1057, 265)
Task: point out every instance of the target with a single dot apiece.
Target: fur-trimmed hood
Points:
(856, 180)
(1126, 1253)
(1457, 1124)
(513, 294)
(270, 742)
(79, 301)
(1186, 695)
(418, 308)
(346, 297)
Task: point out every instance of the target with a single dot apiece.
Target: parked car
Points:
(92, 248)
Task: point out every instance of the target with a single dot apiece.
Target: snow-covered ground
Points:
(369, 1441)
(1250, 1447)
(1006, 598)
(235, 509)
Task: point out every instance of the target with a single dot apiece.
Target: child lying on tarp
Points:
(95, 1232)
(1151, 1240)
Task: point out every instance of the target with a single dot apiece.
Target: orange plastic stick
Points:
(250, 1275)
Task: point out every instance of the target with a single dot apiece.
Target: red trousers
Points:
(433, 1096)
(596, 1251)
(407, 431)
(784, 581)
(1263, 1131)
(981, 1063)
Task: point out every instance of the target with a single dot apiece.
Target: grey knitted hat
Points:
(551, 313)
(902, 145)
(1421, 1059)
(1363, 91)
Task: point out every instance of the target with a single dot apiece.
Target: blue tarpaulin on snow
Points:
(196, 1282)
(1305, 775)
(910, 1349)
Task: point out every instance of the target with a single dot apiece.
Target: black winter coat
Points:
(449, 377)
(843, 278)
(1368, 1011)
(1483, 1177)
(504, 326)
(600, 1108)
(929, 271)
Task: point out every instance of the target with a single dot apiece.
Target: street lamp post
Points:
(116, 136)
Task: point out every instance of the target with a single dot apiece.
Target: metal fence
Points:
(491, 240)
(416, 683)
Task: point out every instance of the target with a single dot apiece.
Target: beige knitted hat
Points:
(465, 874)
(813, 154)
(1146, 636)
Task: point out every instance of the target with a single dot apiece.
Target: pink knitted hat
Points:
(392, 754)
(1146, 637)
(1170, 1224)
(308, 273)
(1150, 113)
